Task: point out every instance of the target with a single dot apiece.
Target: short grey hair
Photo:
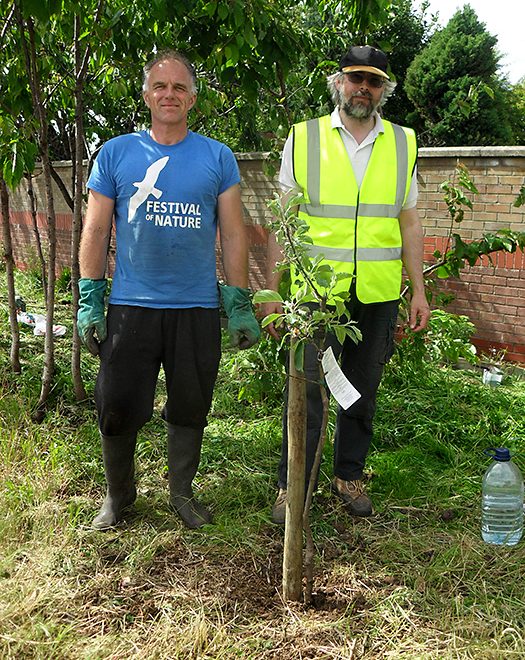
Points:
(388, 88)
(175, 56)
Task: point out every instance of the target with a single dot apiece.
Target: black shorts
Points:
(185, 342)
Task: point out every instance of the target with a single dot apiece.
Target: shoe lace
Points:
(354, 488)
(281, 498)
(358, 487)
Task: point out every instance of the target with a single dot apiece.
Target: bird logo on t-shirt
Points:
(146, 187)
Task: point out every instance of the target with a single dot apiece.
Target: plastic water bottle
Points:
(502, 500)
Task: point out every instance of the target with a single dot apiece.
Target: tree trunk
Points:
(34, 220)
(10, 276)
(80, 71)
(30, 56)
(62, 187)
(310, 548)
(293, 533)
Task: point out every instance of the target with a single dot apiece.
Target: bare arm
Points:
(274, 252)
(95, 235)
(273, 255)
(412, 238)
(234, 243)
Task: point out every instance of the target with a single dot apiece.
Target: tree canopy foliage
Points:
(262, 65)
(403, 36)
(260, 62)
(455, 88)
(517, 100)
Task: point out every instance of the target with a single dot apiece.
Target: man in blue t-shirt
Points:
(169, 191)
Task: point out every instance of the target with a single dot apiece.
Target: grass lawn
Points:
(414, 581)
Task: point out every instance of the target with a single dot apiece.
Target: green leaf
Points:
(249, 36)
(210, 8)
(323, 280)
(270, 319)
(488, 90)
(318, 316)
(340, 333)
(232, 53)
(301, 292)
(340, 307)
(443, 272)
(299, 355)
(266, 296)
(520, 199)
(238, 15)
(305, 297)
(460, 247)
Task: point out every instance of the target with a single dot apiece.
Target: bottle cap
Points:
(498, 453)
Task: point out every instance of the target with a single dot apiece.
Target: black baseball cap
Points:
(365, 58)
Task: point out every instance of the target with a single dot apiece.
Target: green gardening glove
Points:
(243, 327)
(91, 317)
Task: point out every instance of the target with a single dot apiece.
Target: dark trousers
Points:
(363, 365)
(185, 342)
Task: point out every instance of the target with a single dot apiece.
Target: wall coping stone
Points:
(423, 152)
(471, 152)
(428, 152)
(252, 155)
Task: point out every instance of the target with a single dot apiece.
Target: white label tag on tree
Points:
(341, 388)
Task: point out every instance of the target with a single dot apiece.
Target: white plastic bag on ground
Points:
(38, 323)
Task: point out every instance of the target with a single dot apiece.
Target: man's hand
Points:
(243, 327)
(91, 317)
(419, 312)
(264, 310)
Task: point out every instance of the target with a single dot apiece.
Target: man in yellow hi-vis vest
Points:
(357, 175)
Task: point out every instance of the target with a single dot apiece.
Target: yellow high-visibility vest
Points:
(356, 230)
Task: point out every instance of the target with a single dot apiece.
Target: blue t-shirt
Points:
(165, 216)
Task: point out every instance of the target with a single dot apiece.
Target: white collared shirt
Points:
(358, 154)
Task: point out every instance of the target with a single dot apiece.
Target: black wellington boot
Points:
(118, 452)
(184, 453)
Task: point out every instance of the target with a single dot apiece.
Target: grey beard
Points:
(357, 111)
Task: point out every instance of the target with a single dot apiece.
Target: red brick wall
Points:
(491, 294)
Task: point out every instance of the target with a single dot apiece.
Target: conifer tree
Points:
(455, 88)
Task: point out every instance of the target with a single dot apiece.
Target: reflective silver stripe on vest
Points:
(313, 150)
(402, 165)
(380, 210)
(363, 254)
(342, 211)
(313, 183)
(329, 210)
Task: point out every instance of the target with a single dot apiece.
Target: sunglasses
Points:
(357, 78)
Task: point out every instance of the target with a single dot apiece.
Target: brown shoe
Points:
(279, 508)
(353, 494)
